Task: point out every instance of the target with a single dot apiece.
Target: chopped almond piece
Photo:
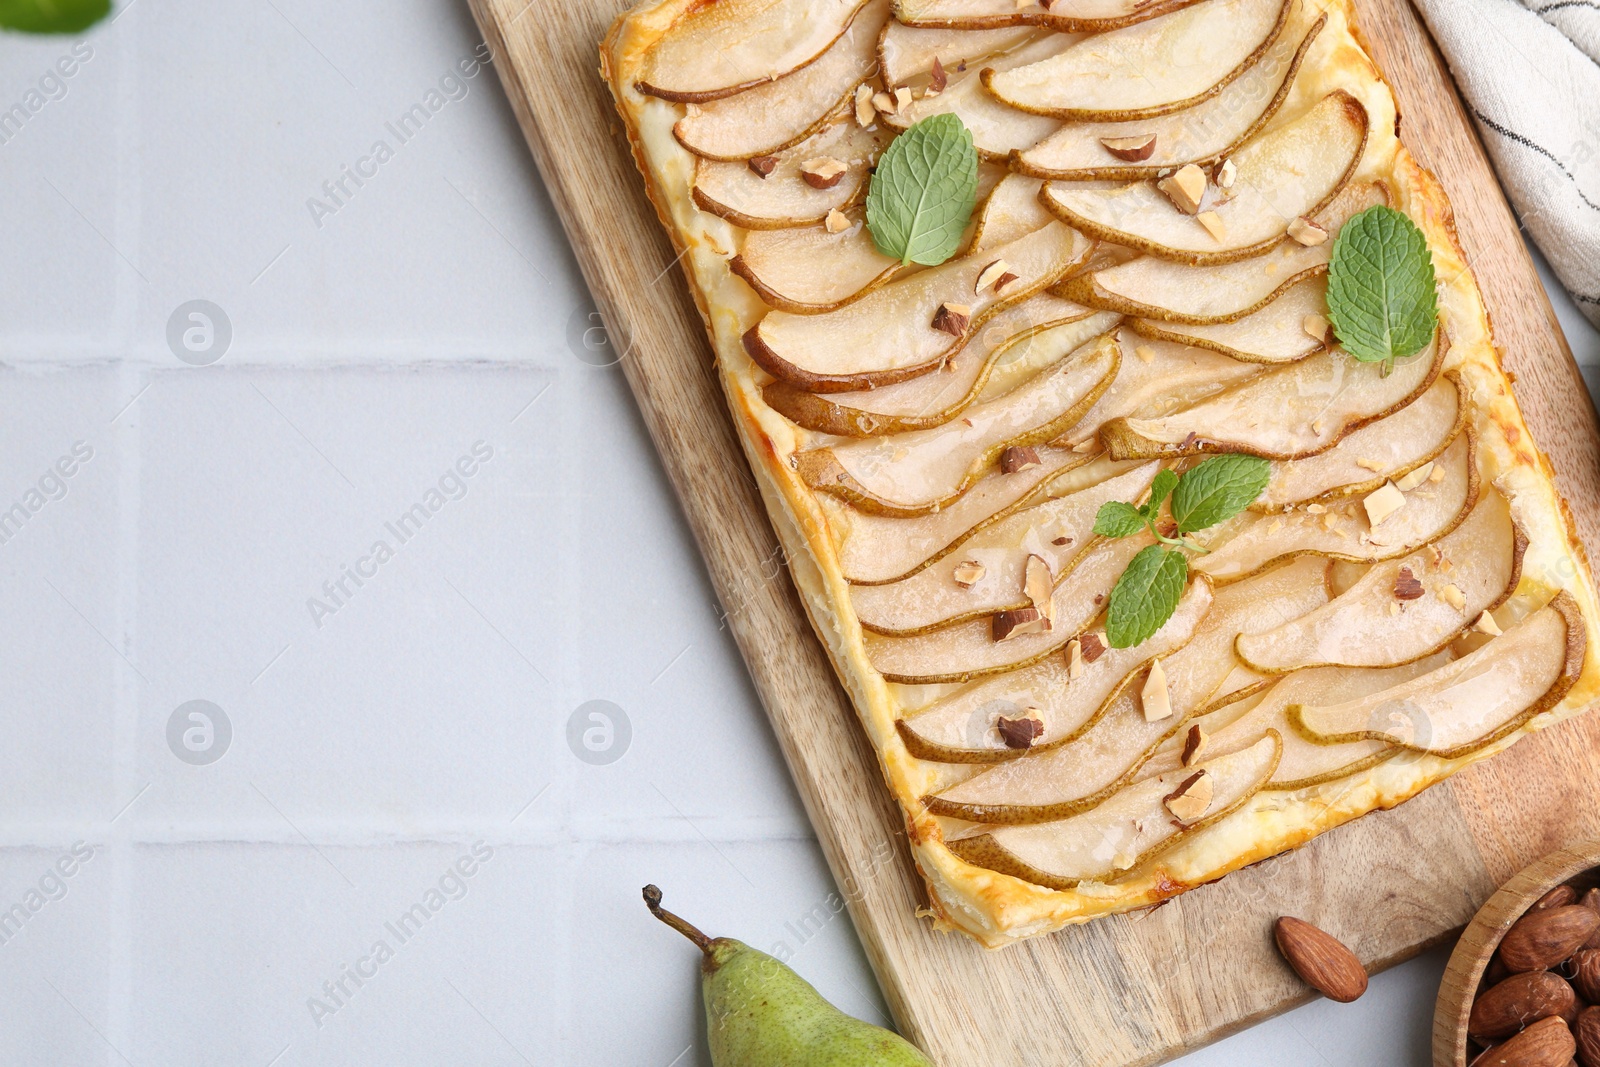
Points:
(1213, 224)
(1454, 597)
(884, 103)
(1194, 743)
(991, 275)
(1191, 799)
(1020, 732)
(1093, 646)
(1382, 503)
(1406, 585)
(1144, 352)
(1227, 173)
(824, 172)
(938, 79)
(968, 572)
(1317, 509)
(1316, 327)
(1307, 232)
(1437, 475)
(1018, 458)
(1131, 149)
(1154, 698)
(1487, 625)
(866, 114)
(1415, 478)
(763, 165)
(1038, 585)
(1018, 621)
(1074, 659)
(952, 318)
(837, 221)
(902, 98)
(1185, 188)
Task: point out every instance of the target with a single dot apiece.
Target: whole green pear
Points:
(759, 1013)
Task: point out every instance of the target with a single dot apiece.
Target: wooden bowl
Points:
(1578, 864)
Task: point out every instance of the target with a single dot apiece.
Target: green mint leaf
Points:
(923, 192)
(1116, 519)
(1381, 296)
(1217, 489)
(52, 16)
(1146, 595)
(1165, 482)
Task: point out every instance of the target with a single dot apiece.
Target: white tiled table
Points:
(377, 736)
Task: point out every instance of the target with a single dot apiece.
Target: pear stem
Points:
(652, 899)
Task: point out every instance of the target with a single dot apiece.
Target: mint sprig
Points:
(923, 192)
(1381, 296)
(1211, 492)
(52, 16)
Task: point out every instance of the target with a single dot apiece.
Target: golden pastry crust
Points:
(996, 908)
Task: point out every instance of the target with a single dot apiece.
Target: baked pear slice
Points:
(987, 572)
(964, 728)
(1204, 134)
(1426, 513)
(781, 113)
(874, 549)
(1068, 16)
(923, 470)
(888, 335)
(1132, 826)
(1278, 333)
(997, 130)
(716, 50)
(1381, 451)
(1469, 703)
(1156, 377)
(783, 198)
(1159, 66)
(808, 270)
(1012, 211)
(1161, 289)
(1286, 412)
(906, 53)
(1016, 343)
(971, 650)
(1370, 625)
(1293, 169)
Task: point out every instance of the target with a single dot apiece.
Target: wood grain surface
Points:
(1121, 990)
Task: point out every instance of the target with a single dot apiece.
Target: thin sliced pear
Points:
(968, 650)
(1367, 626)
(906, 53)
(808, 270)
(1178, 292)
(1072, 16)
(1298, 409)
(888, 335)
(1293, 169)
(1431, 511)
(1378, 452)
(874, 549)
(1472, 702)
(1154, 378)
(783, 198)
(997, 130)
(1303, 763)
(1275, 334)
(1032, 334)
(1156, 67)
(716, 50)
(777, 114)
(1056, 531)
(1204, 134)
(923, 470)
(1130, 827)
(962, 728)
(1012, 211)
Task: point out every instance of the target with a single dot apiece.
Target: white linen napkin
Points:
(1529, 72)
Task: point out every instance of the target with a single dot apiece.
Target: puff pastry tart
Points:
(1143, 283)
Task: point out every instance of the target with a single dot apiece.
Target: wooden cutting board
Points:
(1121, 990)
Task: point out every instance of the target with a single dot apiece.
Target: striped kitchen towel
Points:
(1529, 71)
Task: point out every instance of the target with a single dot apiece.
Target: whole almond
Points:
(1559, 897)
(1586, 1031)
(1320, 959)
(1586, 974)
(1518, 1001)
(1591, 900)
(1547, 1043)
(1542, 939)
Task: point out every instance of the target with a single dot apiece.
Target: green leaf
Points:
(1116, 519)
(923, 192)
(1217, 489)
(1146, 595)
(1165, 482)
(52, 16)
(1381, 296)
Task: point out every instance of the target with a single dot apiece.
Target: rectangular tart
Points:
(1143, 284)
